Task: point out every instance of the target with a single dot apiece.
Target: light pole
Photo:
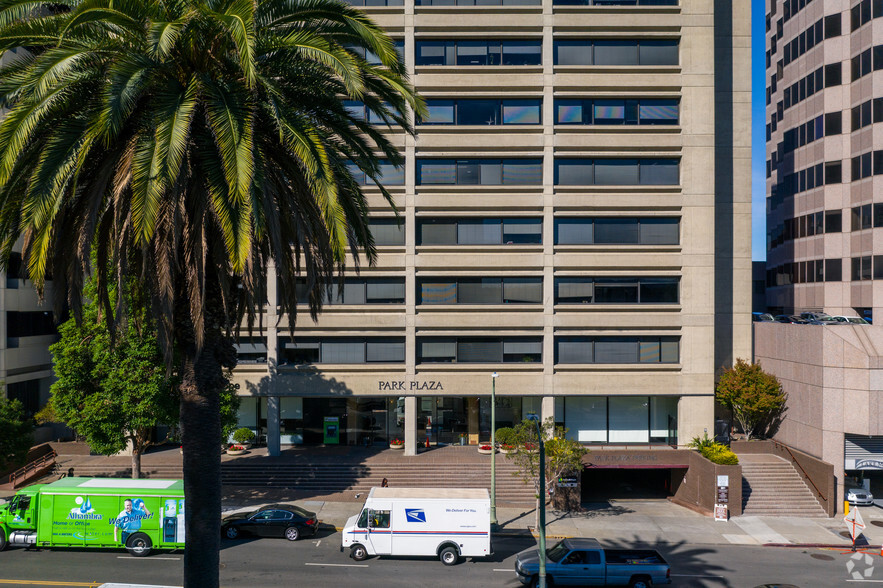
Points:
(542, 527)
(494, 377)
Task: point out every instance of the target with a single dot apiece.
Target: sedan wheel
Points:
(291, 533)
(231, 532)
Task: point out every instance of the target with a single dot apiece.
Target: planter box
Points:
(236, 451)
(391, 446)
(508, 451)
(485, 451)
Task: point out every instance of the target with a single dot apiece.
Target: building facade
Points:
(575, 217)
(823, 156)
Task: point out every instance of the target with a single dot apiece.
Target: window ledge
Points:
(537, 9)
(634, 307)
(468, 189)
(480, 308)
(383, 368)
(480, 367)
(619, 129)
(608, 69)
(617, 367)
(610, 247)
(477, 129)
(513, 247)
(637, 189)
(631, 10)
(477, 69)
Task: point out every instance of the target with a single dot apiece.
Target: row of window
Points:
(606, 52)
(830, 172)
(821, 126)
(867, 113)
(867, 267)
(790, 8)
(867, 216)
(568, 231)
(514, 2)
(807, 225)
(29, 324)
(803, 272)
(864, 11)
(824, 28)
(508, 290)
(867, 165)
(868, 60)
(568, 350)
(824, 77)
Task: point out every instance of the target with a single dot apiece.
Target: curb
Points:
(826, 546)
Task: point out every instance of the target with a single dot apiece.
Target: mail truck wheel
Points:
(449, 556)
(139, 544)
(359, 553)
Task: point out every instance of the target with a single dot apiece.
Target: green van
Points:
(139, 515)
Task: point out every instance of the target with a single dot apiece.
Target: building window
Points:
(373, 59)
(615, 52)
(493, 52)
(615, 2)
(251, 350)
(861, 217)
(622, 231)
(358, 291)
(389, 174)
(580, 290)
(485, 231)
(861, 268)
(29, 324)
(387, 231)
(479, 350)
(28, 393)
(477, 2)
(480, 291)
(833, 270)
(616, 112)
(306, 351)
(614, 350)
(616, 172)
(485, 172)
(483, 112)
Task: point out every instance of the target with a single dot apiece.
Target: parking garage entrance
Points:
(631, 475)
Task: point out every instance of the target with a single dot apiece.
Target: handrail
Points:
(797, 463)
(34, 465)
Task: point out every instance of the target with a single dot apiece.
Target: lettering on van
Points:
(130, 519)
(83, 511)
(460, 510)
(403, 385)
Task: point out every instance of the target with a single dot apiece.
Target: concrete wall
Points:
(833, 376)
(817, 474)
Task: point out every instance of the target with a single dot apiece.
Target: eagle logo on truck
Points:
(415, 515)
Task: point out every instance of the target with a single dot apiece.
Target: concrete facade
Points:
(833, 376)
(824, 157)
(709, 320)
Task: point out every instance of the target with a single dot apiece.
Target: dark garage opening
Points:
(601, 484)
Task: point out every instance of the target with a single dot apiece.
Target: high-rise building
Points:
(575, 217)
(823, 156)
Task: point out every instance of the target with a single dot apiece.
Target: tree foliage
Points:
(16, 434)
(562, 455)
(756, 398)
(194, 144)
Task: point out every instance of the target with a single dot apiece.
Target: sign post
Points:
(854, 524)
(722, 498)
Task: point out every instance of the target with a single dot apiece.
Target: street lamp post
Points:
(542, 527)
(494, 377)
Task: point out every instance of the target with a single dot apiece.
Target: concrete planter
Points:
(485, 451)
(397, 446)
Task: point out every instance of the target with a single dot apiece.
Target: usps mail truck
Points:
(447, 523)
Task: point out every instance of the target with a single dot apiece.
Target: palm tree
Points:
(194, 144)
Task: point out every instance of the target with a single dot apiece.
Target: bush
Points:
(505, 436)
(243, 435)
(719, 453)
(701, 442)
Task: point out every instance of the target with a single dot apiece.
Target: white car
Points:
(852, 320)
(859, 497)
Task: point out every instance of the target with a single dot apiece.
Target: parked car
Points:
(583, 562)
(275, 520)
(859, 497)
(820, 317)
(851, 320)
(790, 319)
(762, 317)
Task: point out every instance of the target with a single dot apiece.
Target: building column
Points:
(273, 428)
(548, 408)
(410, 425)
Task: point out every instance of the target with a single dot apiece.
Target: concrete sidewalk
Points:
(629, 522)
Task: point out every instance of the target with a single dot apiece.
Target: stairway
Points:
(772, 487)
(322, 479)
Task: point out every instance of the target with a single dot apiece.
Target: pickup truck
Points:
(583, 562)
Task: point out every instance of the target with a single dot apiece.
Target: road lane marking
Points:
(506, 570)
(147, 558)
(50, 583)
(869, 581)
(318, 543)
(331, 565)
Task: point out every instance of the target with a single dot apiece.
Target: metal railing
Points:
(777, 444)
(35, 465)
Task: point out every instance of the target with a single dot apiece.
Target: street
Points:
(319, 562)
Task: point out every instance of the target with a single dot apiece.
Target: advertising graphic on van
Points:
(83, 511)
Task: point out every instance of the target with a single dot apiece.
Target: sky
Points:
(758, 132)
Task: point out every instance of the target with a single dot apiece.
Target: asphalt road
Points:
(318, 562)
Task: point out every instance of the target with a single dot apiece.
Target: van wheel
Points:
(2, 540)
(139, 545)
(449, 556)
(640, 583)
(359, 553)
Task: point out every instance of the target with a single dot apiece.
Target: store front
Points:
(619, 419)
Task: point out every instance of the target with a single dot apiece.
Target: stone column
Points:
(548, 408)
(273, 426)
(410, 425)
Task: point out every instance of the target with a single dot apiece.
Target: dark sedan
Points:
(275, 520)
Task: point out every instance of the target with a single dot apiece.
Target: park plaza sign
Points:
(409, 385)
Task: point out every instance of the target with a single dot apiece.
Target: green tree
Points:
(562, 456)
(194, 144)
(755, 397)
(16, 434)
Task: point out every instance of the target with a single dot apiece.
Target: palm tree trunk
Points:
(202, 379)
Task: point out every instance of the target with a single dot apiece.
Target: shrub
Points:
(505, 436)
(243, 435)
(720, 454)
(701, 442)
(396, 442)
